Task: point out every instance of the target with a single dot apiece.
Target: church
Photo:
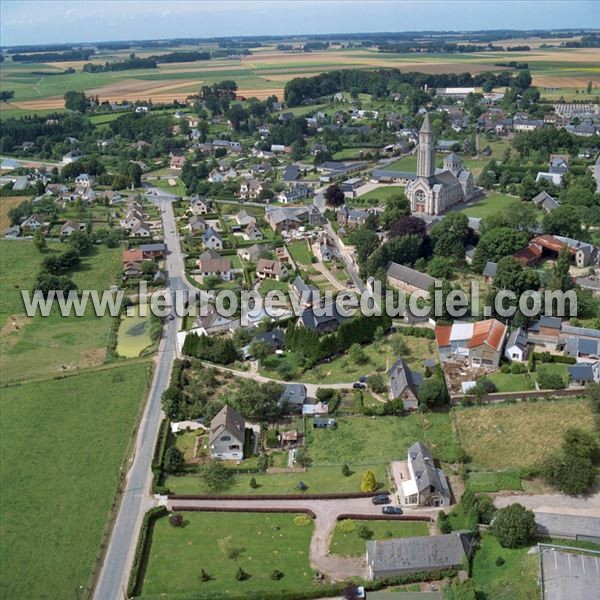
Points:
(433, 190)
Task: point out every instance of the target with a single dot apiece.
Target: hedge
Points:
(382, 517)
(161, 444)
(142, 549)
(335, 496)
(293, 511)
(554, 358)
(423, 332)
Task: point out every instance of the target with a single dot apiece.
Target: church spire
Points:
(426, 151)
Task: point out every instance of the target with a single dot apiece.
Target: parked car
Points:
(359, 386)
(381, 499)
(362, 378)
(391, 510)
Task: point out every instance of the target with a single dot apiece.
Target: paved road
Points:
(350, 267)
(336, 568)
(136, 499)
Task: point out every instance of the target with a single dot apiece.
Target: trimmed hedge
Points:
(142, 549)
(293, 511)
(554, 358)
(277, 496)
(161, 444)
(422, 332)
(382, 517)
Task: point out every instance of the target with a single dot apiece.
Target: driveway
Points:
(553, 503)
(336, 568)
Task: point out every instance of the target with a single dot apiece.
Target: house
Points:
(584, 254)
(404, 384)
(132, 269)
(250, 189)
(71, 226)
(33, 222)
(305, 293)
(140, 230)
(489, 272)
(215, 176)
(244, 219)
(152, 251)
(215, 267)
(251, 253)
(400, 556)
(409, 280)
(290, 173)
(84, 180)
(479, 344)
(227, 434)
(252, 232)
(212, 240)
(12, 232)
(352, 217)
(296, 193)
(516, 346)
(323, 251)
(323, 319)
(580, 374)
(196, 224)
(271, 269)
(553, 178)
(177, 162)
(199, 206)
(314, 408)
(469, 254)
(72, 156)
(545, 332)
(427, 485)
(293, 396)
(212, 322)
(133, 255)
(282, 219)
(545, 201)
(275, 339)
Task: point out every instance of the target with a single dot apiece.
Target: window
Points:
(225, 438)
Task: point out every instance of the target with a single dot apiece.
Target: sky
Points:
(56, 21)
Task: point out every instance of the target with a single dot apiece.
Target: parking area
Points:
(570, 575)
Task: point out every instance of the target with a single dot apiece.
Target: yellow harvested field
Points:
(518, 435)
(6, 203)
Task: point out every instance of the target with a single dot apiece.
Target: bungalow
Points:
(553, 178)
(293, 397)
(516, 346)
(227, 434)
(404, 384)
(212, 239)
(427, 485)
(244, 219)
(251, 253)
(580, 374)
(426, 554)
(215, 267)
(478, 344)
(409, 280)
(252, 232)
(33, 222)
(199, 206)
(271, 269)
(140, 230)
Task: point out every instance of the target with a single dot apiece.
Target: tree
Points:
(357, 354)
(366, 241)
(450, 236)
(204, 576)
(368, 482)
(176, 520)
(486, 508)
(260, 350)
(135, 173)
(441, 267)
(364, 532)
(346, 470)
(497, 243)
(571, 474)
(334, 197)
(563, 221)
(216, 476)
(173, 460)
(550, 380)
(241, 575)
(408, 225)
(396, 207)
(253, 483)
(581, 443)
(512, 275)
(433, 392)
(276, 575)
(560, 279)
(39, 241)
(377, 383)
(75, 101)
(514, 526)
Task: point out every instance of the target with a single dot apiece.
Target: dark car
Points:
(391, 510)
(359, 386)
(381, 499)
(362, 378)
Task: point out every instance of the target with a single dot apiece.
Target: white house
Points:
(516, 346)
(212, 240)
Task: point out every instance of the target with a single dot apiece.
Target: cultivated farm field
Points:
(6, 203)
(62, 448)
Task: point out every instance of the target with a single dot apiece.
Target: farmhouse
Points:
(404, 384)
(478, 344)
(409, 280)
(390, 558)
(427, 485)
(227, 431)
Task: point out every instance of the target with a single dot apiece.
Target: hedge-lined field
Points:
(62, 443)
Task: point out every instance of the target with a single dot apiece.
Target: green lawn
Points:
(517, 435)
(62, 444)
(559, 368)
(491, 204)
(350, 544)
(42, 346)
(509, 382)
(300, 252)
(514, 580)
(259, 543)
(494, 481)
(267, 285)
(381, 194)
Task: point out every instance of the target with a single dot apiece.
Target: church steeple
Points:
(426, 151)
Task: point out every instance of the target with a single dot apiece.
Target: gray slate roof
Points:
(410, 276)
(227, 419)
(401, 377)
(517, 338)
(426, 473)
(490, 269)
(294, 394)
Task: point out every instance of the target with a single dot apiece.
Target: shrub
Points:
(347, 525)
(368, 482)
(276, 575)
(241, 575)
(518, 368)
(364, 532)
(514, 526)
(173, 461)
(346, 472)
(176, 520)
(505, 369)
(204, 576)
(486, 508)
(302, 521)
(253, 484)
(500, 561)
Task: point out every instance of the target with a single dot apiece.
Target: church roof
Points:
(446, 178)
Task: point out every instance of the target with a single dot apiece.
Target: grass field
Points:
(514, 580)
(517, 435)
(62, 444)
(300, 252)
(259, 543)
(494, 481)
(382, 194)
(134, 335)
(509, 382)
(40, 346)
(6, 203)
(491, 204)
(350, 544)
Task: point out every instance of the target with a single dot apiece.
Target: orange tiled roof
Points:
(490, 332)
(442, 335)
(132, 256)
